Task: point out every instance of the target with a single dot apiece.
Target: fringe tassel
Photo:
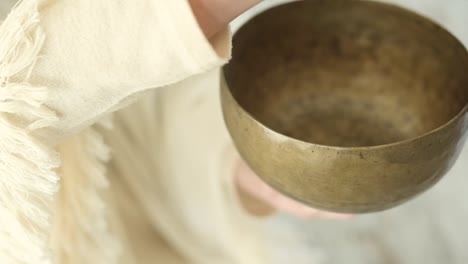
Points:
(28, 181)
(81, 232)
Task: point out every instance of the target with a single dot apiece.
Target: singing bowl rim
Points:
(460, 114)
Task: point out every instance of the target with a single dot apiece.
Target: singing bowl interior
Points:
(347, 73)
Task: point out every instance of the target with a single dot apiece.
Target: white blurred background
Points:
(432, 229)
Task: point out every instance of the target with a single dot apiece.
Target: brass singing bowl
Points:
(347, 106)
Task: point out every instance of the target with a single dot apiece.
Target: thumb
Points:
(214, 15)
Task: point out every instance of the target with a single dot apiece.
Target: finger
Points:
(251, 183)
(287, 205)
(337, 216)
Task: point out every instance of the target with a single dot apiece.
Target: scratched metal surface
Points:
(432, 229)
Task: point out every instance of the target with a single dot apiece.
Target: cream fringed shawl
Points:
(28, 181)
(65, 65)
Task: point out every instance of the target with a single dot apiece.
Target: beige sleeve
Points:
(63, 65)
(98, 54)
(172, 157)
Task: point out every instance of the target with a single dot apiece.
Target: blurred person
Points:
(112, 144)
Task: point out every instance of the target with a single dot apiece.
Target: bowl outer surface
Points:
(348, 180)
